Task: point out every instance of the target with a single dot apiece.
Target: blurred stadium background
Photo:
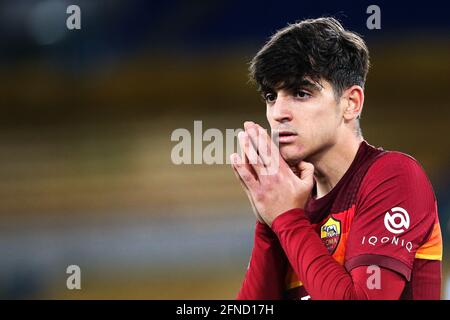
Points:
(85, 170)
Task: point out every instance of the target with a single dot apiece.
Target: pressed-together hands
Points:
(270, 184)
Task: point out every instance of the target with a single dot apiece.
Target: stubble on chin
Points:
(293, 162)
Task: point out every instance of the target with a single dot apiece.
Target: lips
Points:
(286, 136)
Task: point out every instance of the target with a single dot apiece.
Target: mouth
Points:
(286, 137)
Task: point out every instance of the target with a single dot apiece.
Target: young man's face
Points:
(307, 119)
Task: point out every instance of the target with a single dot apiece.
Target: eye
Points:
(302, 94)
(270, 97)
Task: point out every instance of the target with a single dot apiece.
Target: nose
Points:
(280, 110)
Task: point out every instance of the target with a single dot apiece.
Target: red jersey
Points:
(382, 212)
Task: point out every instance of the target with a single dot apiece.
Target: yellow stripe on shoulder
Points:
(432, 249)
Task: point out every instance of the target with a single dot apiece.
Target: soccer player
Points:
(339, 218)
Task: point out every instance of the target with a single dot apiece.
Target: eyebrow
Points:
(308, 84)
(304, 84)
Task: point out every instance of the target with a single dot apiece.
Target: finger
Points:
(262, 144)
(242, 172)
(255, 134)
(250, 151)
(258, 137)
(268, 151)
(245, 151)
(306, 171)
(247, 191)
(245, 160)
(237, 174)
(264, 147)
(246, 137)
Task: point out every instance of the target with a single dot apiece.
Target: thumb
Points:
(306, 170)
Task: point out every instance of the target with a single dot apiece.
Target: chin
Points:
(292, 157)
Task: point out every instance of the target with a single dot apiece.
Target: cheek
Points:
(321, 122)
(312, 120)
(327, 112)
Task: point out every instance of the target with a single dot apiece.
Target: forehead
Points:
(303, 83)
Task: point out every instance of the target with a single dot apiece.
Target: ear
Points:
(353, 102)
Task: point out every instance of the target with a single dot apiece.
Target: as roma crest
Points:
(330, 233)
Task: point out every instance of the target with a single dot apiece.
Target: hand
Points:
(272, 187)
(247, 192)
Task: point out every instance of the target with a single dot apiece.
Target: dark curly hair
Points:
(314, 48)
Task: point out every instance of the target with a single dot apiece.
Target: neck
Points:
(331, 165)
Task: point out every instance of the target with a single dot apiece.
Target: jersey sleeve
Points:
(395, 215)
(264, 279)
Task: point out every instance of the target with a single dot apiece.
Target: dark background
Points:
(86, 176)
